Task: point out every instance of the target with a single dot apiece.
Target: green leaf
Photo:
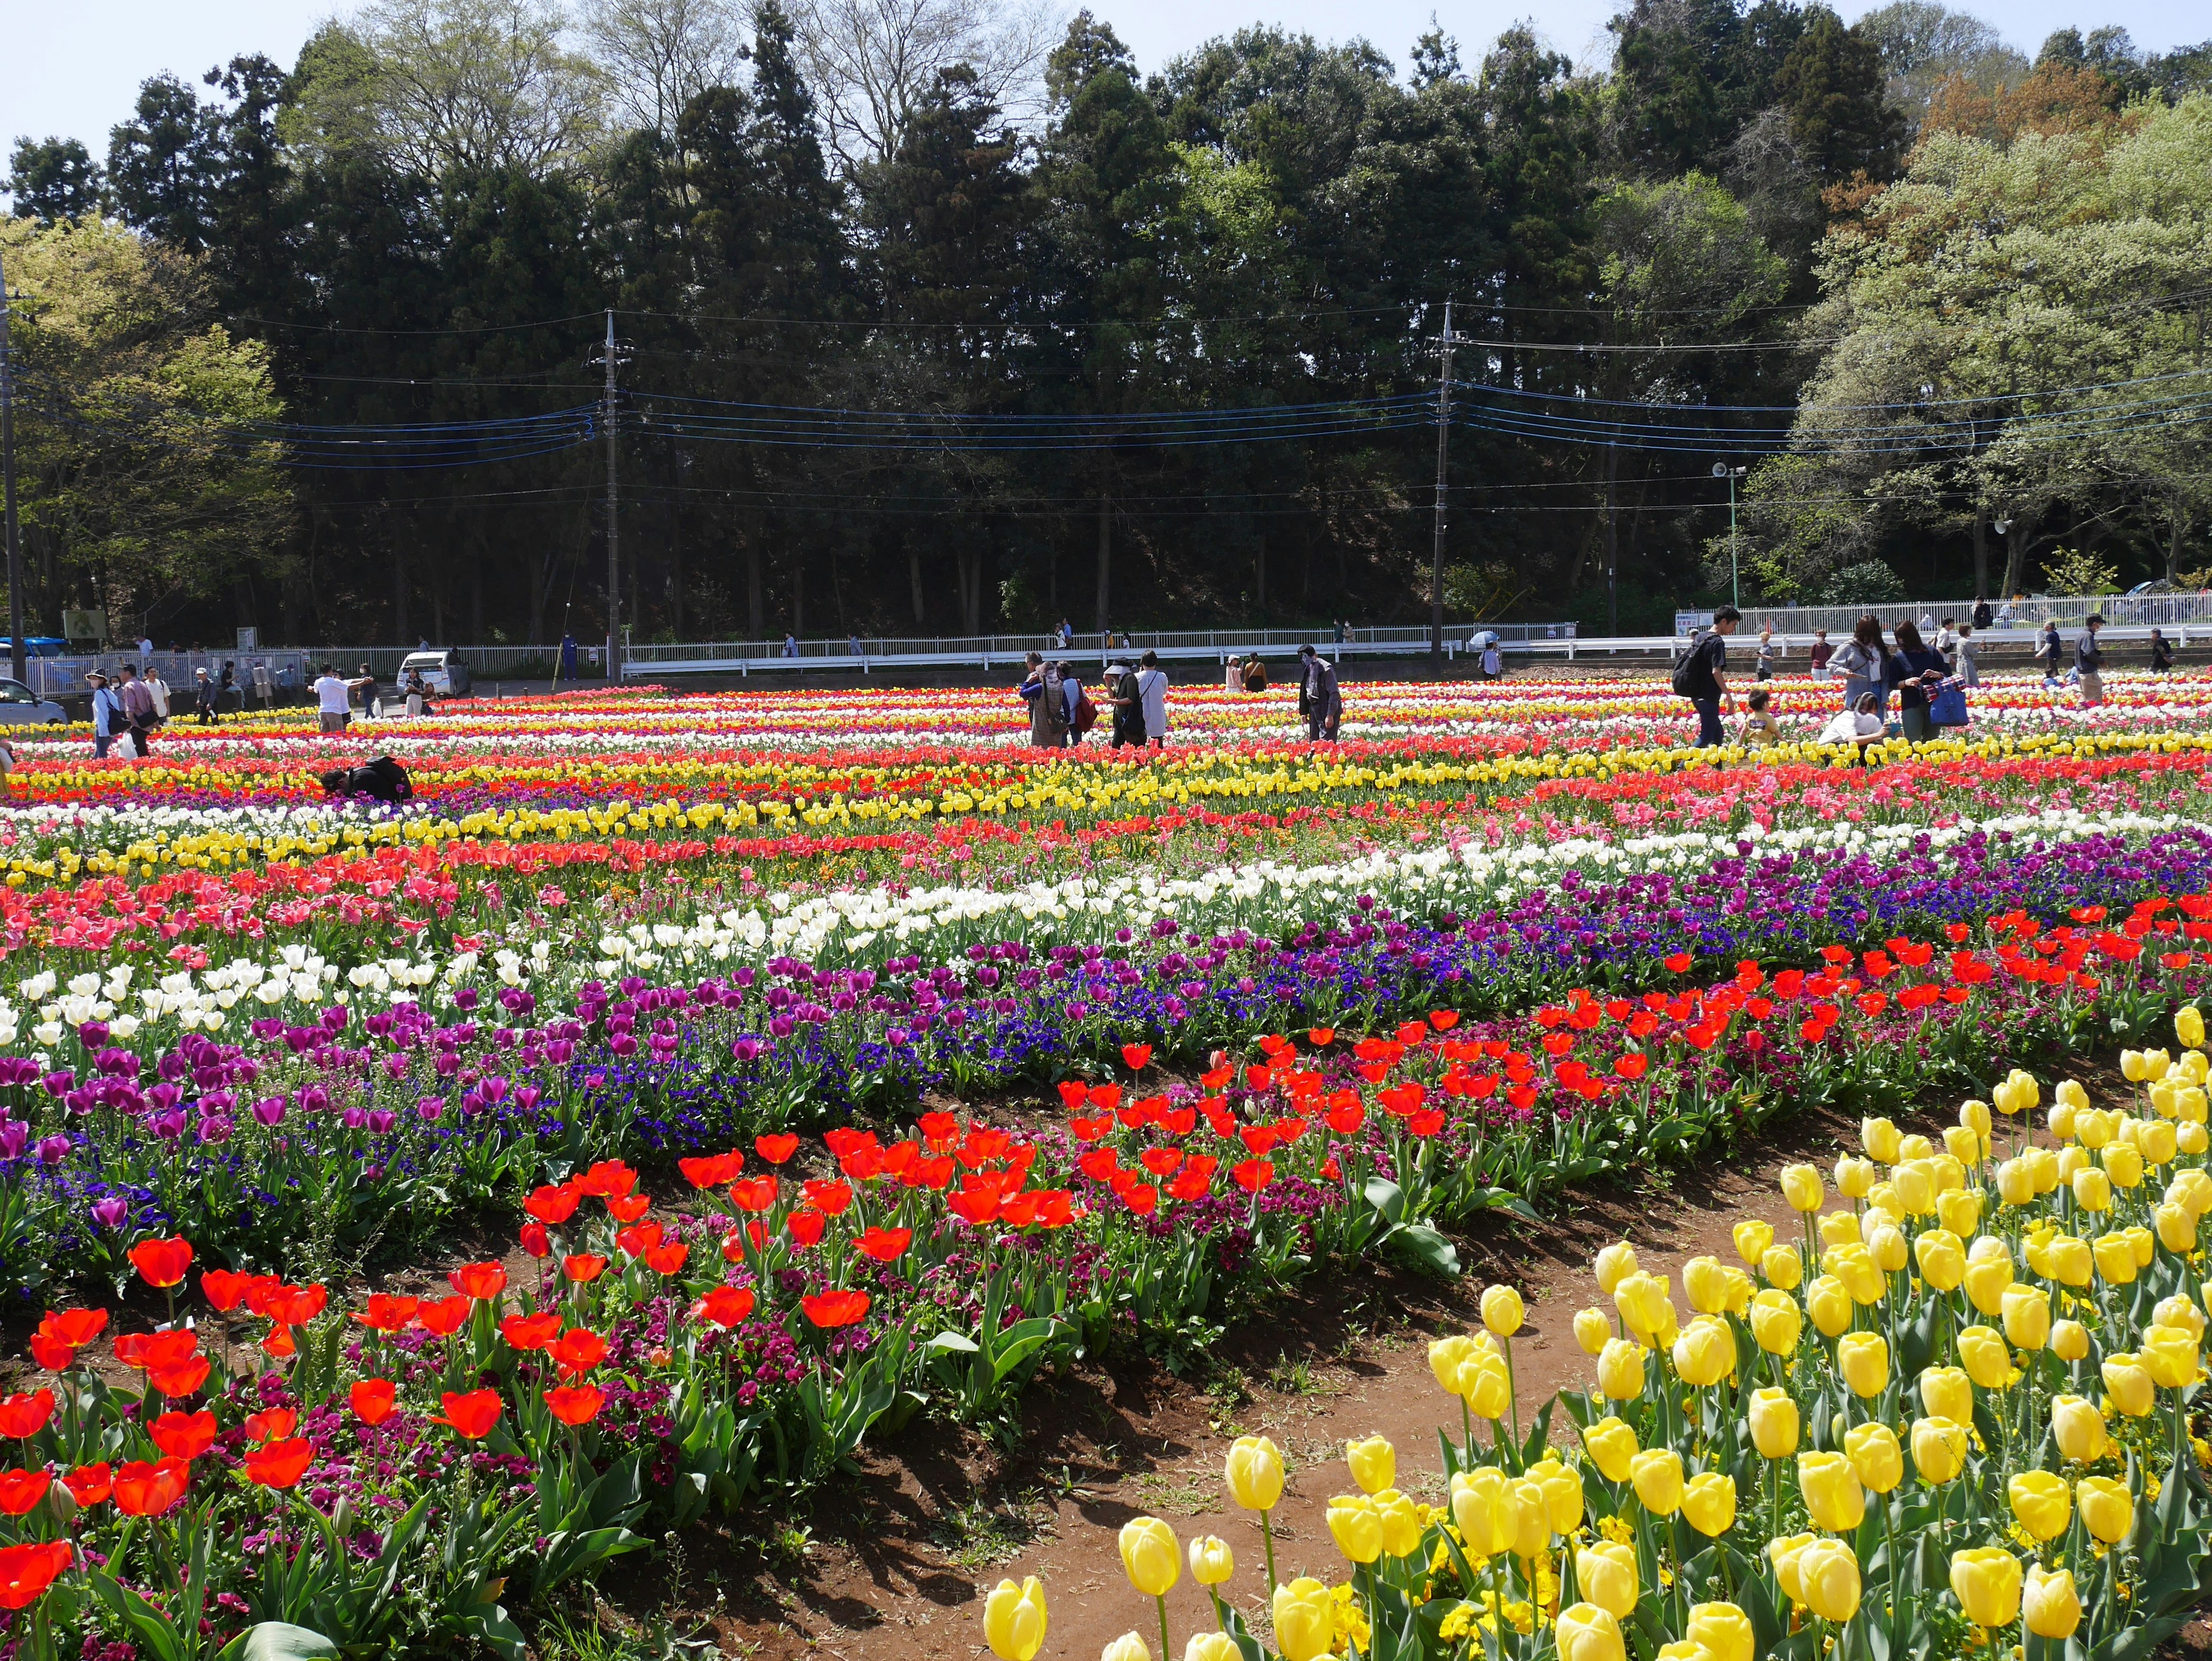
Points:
(1428, 1248)
(279, 1640)
(953, 1342)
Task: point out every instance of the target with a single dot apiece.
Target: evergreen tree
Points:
(161, 165)
(54, 179)
(1831, 85)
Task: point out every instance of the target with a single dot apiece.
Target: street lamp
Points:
(1722, 470)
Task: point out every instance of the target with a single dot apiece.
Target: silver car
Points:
(21, 707)
(443, 674)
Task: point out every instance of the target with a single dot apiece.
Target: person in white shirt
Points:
(333, 700)
(1857, 725)
(1233, 679)
(1152, 694)
(146, 652)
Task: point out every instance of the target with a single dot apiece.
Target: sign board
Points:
(84, 625)
(249, 640)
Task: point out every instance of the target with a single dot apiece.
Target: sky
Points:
(73, 68)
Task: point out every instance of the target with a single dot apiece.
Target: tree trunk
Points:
(399, 593)
(1612, 541)
(754, 616)
(968, 570)
(676, 559)
(2016, 542)
(1981, 554)
(475, 596)
(1105, 557)
(798, 601)
(1260, 575)
(914, 582)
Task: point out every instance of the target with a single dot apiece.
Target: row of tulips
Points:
(1975, 1426)
(660, 1361)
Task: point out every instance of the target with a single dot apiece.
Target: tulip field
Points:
(836, 1063)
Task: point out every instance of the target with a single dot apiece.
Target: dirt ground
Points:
(893, 1566)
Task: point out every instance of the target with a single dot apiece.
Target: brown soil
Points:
(897, 1561)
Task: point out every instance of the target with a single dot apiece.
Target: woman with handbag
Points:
(1915, 670)
(1861, 664)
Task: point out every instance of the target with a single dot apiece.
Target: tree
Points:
(146, 473)
(1831, 85)
(54, 179)
(159, 163)
(1687, 74)
(659, 55)
(1924, 44)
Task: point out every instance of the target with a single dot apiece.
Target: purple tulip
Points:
(110, 1212)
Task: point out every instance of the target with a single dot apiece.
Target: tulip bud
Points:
(2129, 1382)
(1941, 1258)
(1854, 1177)
(2191, 1138)
(2015, 1182)
(1593, 1331)
(2124, 1164)
(1705, 1353)
(1255, 1473)
(1939, 1450)
(1355, 1527)
(1211, 1647)
(1586, 1632)
(1611, 1445)
(1447, 1356)
(1781, 1267)
(1801, 1187)
(1400, 1520)
(1839, 1228)
(2068, 1260)
(1605, 1574)
(1752, 1238)
(2078, 1428)
(1962, 1144)
(1723, 1630)
(2043, 1502)
(2070, 1339)
(1127, 1647)
(1862, 1359)
(2108, 1510)
(1374, 1463)
(1829, 1304)
(1563, 1493)
(1151, 1555)
(1947, 1393)
(2169, 1355)
(1986, 1581)
(1982, 1352)
(1212, 1562)
(1854, 1267)
(2158, 1143)
(62, 1503)
(1014, 1620)
(1531, 1533)
(1502, 1310)
(1876, 1454)
(1975, 1115)
(1305, 1619)
(1987, 1282)
(1960, 1210)
(1656, 1476)
(1828, 1573)
(2188, 1026)
(1485, 1509)
(2071, 1094)
(1614, 1264)
(1834, 1497)
(2114, 1255)
(2092, 1190)
(1879, 1138)
(2049, 1602)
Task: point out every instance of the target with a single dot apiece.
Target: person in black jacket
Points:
(1914, 669)
(381, 780)
(1983, 616)
(2162, 652)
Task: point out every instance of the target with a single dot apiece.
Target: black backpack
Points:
(1692, 679)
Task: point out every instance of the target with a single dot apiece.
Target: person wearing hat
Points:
(205, 696)
(108, 716)
(1320, 701)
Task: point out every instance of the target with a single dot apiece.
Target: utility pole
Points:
(1444, 455)
(1722, 470)
(612, 358)
(16, 645)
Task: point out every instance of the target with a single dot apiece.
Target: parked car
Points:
(21, 707)
(443, 674)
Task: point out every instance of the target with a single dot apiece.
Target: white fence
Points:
(2127, 610)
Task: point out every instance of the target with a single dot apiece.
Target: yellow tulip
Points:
(2191, 1188)
(2192, 1138)
(1014, 1620)
(1484, 1384)
(1939, 1450)
(1355, 1527)
(1776, 1321)
(1962, 1144)
(1446, 1357)
(1709, 1503)
(1212, 1562)
(1592, 1330)
(1941, 1258)
(1721, 1629)
(1916, 1186)
(1960, 1210)
(1401, 1522)
(1838, 1228)
(2043, 1165)
(2188, 1026)
(2093, 1129)
(1644, 1305)
(1586, 1632)
(2115, 1257)
(2129, 1382)
(2169, 1355)
(1854, 1177)
(1885, 1244)
(2123, 1165)
(1801, 1187)
(1975, 1115)
(1875, 1454)
(2017, 1093)
(2070, 1159)
(2078, 1428)
(1774, 1422)
(1615, 1264)
(1705, 1284)
(1605, 1574)
(1705, 1353)
(1752, 1238)
(2070, 1339)
(1532, 1532)
(2179, 1311)
(1152, 1555)
(2108, 1510)
(1304, 1617)
(1784, 1553)
(1833, 1499)
(1502, 1310)
(1127, 1647)
(2069, 1093)
(1563, 1493)
(2092, 1190)
(1988, 1362)
(2069, 1261)
(1986, 1282)
(1479, 1500)
(1862, 1359)
(1620, 1370)
(1860, 1275)
(1829, 1303)
(2144, 1242)
(1878, 1137)
(1986, 1580)
(1782, 1267)
(1656, 1476)
(2157, 1143)
(1255, 1473)
(2015, 1182)
(1211, 1647)
(1828, 1573)
(2027, 1316)
(2049, 1602)
(1374, 1463)
(2042, 1503)
(1611, 1445)
(1947, 1393)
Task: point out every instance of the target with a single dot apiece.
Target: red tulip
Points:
(27, 1571)
(224, 1289)
(609, 1179)
(182, 1379)
(281, 1464)
(775, 1149)
(627, 1208)
(831, 1198)
(162, 1262)
(575, 1404)
(75, 1326)
(21, 1490)
(183, 1435)
(471, 1415)
(725, 1306)
(148, 1490)
(577, 1350)
(668, 1259)
(444, 1317)
(553, 1206)
(372, 1400)
(529, 1332)
(1253, 1175)
(387, 1313)
(884, 1244)
(1136, 1057)
(712, 1171)
(272, 1426)
(25, 1415)
(805, 1225)
(90, 1484)
(638, 1239)
(481, 1281)
(582, 1267)
(836, 1309)
(753, 1193)
(535, 1240)
(51, 1353)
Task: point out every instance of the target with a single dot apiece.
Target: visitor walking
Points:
(207, 700)
(1041, 690)
(567, 657)
(138, 707)
(2161, 653)
(790, 644)
(1493, 658)
(1151, 687)
(332, 699)
(1914, 669)
(264, 687)
(1320, 701)
(1966, 663)
(1860, 663)
(1701, 678)
(1821, 654)
(1232, 676)
(1946, 641)
(108, 716)
(1126, 730)
(1764, 669)
(158, 690)
(2089, 663)
(2048, 652)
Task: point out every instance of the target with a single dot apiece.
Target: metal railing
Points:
(2130, 611)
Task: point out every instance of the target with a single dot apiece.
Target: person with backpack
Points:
(108, 717)
(138, 707)
(381, 780)
(1320, 701)
(1127, 728)
(2048, 650)
(1041, 690)
(1701, 678)
(1150, 685)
